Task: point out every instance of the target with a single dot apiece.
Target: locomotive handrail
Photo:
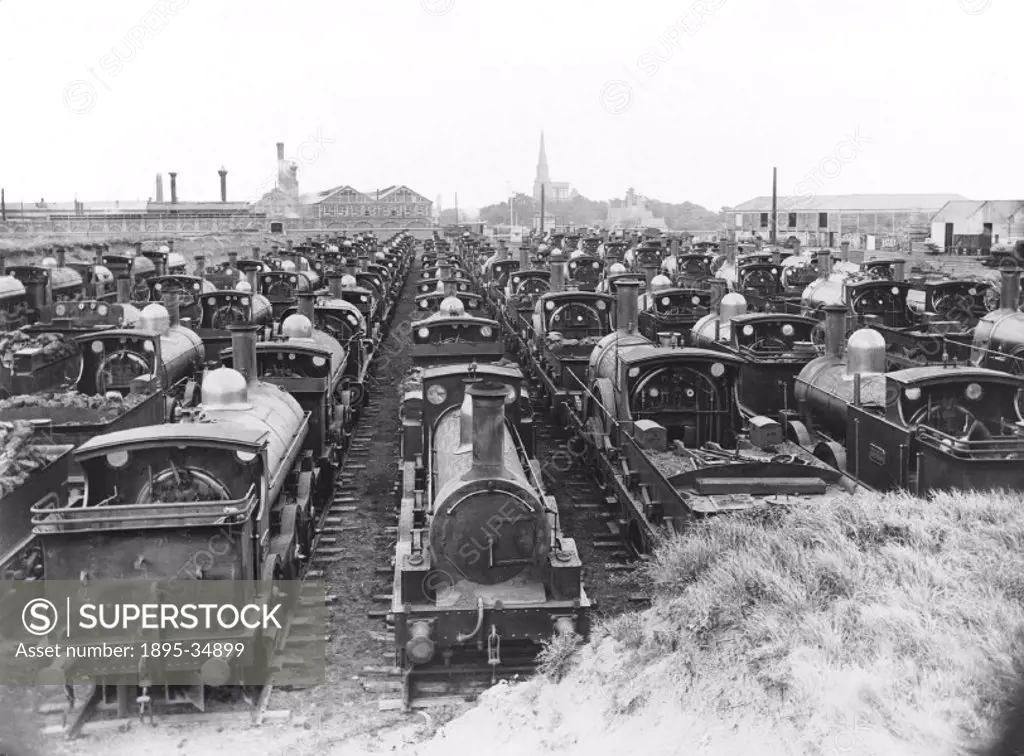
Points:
(966, 447)
(70, 518)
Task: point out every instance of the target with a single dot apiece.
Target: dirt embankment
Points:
(877, 625)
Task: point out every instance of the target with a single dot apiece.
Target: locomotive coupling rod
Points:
(463, 637)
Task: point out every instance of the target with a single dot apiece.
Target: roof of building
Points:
(959, 211)
(371, 196)
(850, 203)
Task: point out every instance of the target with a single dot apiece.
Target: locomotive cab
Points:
(691, 269)
(14, 305)
(282, 288)
(959, 303)
(585, 272)
(776, 348)
(451, 340)
(674, 309)
(760, 283)
(188, 290)
(225, 308)
(943, 428)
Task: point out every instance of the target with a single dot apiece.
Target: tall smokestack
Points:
(775, 203)
(159, 187)
(1009, 293)
(824, 263)
(488, 429)
(280, 151)
(223, 184)
(627, 306)
(124, 289)
(844, 254)
(334, 284)
(835, 330)
(243, 351)
(174, 188)
(556, 263)
(173, 307)
(306, 301)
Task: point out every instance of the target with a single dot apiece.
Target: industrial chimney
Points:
(223, 184)
(159, 187)
(174, 188)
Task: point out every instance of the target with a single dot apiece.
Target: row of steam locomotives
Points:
(483, 573)
(192, 404)
(700, 381)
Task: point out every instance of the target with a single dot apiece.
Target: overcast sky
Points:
(684, 101)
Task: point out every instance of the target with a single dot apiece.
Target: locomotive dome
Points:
(865, 352)
(348, 281)
(243, 286)
(733, 304)
(164, 249)
(288, 266)
(102, 273)
(225, 389)
(175, 260)
(616, 269)
(380, 256)
(49, 262)
(297, 326)
(154, 317)
(452, 307)
(660, 282)
(575, 254)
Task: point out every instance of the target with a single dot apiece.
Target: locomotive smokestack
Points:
(899, 270)
(334, 284)
(730, 251)
(124, 289)
(719, 288)
(3, 266)
(255, 253)
(97, 255)
(466, 417)
(556, 263)
(626, 306)
(243, 351)
(306, 303)
(824, 263)
(62, 257)
(200, 265)
(665, 338)
(524, 257)
(835, 330)
(173, 309)
(488, 429)
(796, 247)
(1009, 293)
(252, 276)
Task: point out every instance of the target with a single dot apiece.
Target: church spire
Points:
(542, 164)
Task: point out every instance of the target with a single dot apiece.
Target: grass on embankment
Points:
(871, 625)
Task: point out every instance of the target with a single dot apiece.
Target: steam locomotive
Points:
(482, 570)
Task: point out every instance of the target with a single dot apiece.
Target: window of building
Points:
(764, 220)
(822, 220)
(792, 220)
(394, 212)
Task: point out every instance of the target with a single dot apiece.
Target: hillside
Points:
(875, 625)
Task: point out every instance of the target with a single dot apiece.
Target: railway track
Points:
(353, 557)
